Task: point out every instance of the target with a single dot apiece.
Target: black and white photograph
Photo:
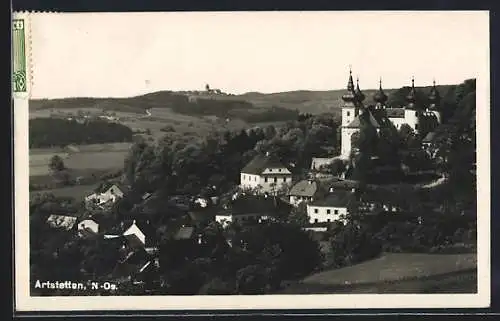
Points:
(290, 159)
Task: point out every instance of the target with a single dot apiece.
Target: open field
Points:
(396, 273)
(96, 156)
(78, 191)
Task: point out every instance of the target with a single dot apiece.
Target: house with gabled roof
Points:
(332, 208)
(306, 190)
(107, 192)
(88, 228)
(266, 174)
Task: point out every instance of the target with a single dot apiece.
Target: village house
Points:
(307, 191)
(252, 209)
(106, 193)
(318, 162)
(88, 228)
(61, 221)
(343, 185)
(266, 174)
(334, 207)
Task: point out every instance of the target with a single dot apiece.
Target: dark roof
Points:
(337, 199)
(260, 163)
(184, 233)
(305, 188)
(256, 204)
(345, 184)
(429, 137)
(395, 112)
(356, 123)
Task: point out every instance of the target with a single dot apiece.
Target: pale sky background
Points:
(128, 54)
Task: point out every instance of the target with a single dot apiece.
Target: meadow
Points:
(94, 157)
(77, 192)
(396, 273)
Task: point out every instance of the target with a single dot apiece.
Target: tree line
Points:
(52, 132)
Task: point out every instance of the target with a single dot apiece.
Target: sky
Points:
(128, 54)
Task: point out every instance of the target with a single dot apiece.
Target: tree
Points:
(56, 164)
(299, 215)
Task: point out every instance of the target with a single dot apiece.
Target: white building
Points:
(61, 221)
(266, 174)
(88, 227)
(106, 193)
(334, 207)
(355, 114)
(135, 236)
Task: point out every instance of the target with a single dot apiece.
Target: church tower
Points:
(434, 102)
(412, 114)
(350, 106)
(360, 97)
(380, 97)
(353, 99)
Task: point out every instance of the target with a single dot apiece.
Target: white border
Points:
(23, 301)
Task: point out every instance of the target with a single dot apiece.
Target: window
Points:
(328, 211)
(315, 211)
(348, 113)
(416, 126)
(270, 169)
(328, 220)
(279, 170)
(243, 177)
(275, 179)
(265, 179)
(315, 220)
(255, 179)
(336, 211)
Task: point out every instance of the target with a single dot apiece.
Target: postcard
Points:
(251, 160)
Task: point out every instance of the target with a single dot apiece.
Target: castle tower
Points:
(412, 114)
(434, 102)
(380, 97)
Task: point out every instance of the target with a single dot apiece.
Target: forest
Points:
(55, 132)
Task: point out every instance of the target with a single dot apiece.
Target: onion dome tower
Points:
(350, 95)
(380, 97)
(434, 97)
(360, 97)
(411, 98)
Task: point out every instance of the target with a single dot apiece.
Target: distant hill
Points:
(245, 106)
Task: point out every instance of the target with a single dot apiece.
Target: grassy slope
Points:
(396, 273)
(78, 191)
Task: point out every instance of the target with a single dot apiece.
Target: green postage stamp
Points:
(20, 57)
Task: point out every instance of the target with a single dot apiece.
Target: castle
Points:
(355, 113)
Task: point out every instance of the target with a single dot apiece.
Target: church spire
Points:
(349, 96)
(380, 96)
(359, 94)
(412, 95)
(434, 96)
